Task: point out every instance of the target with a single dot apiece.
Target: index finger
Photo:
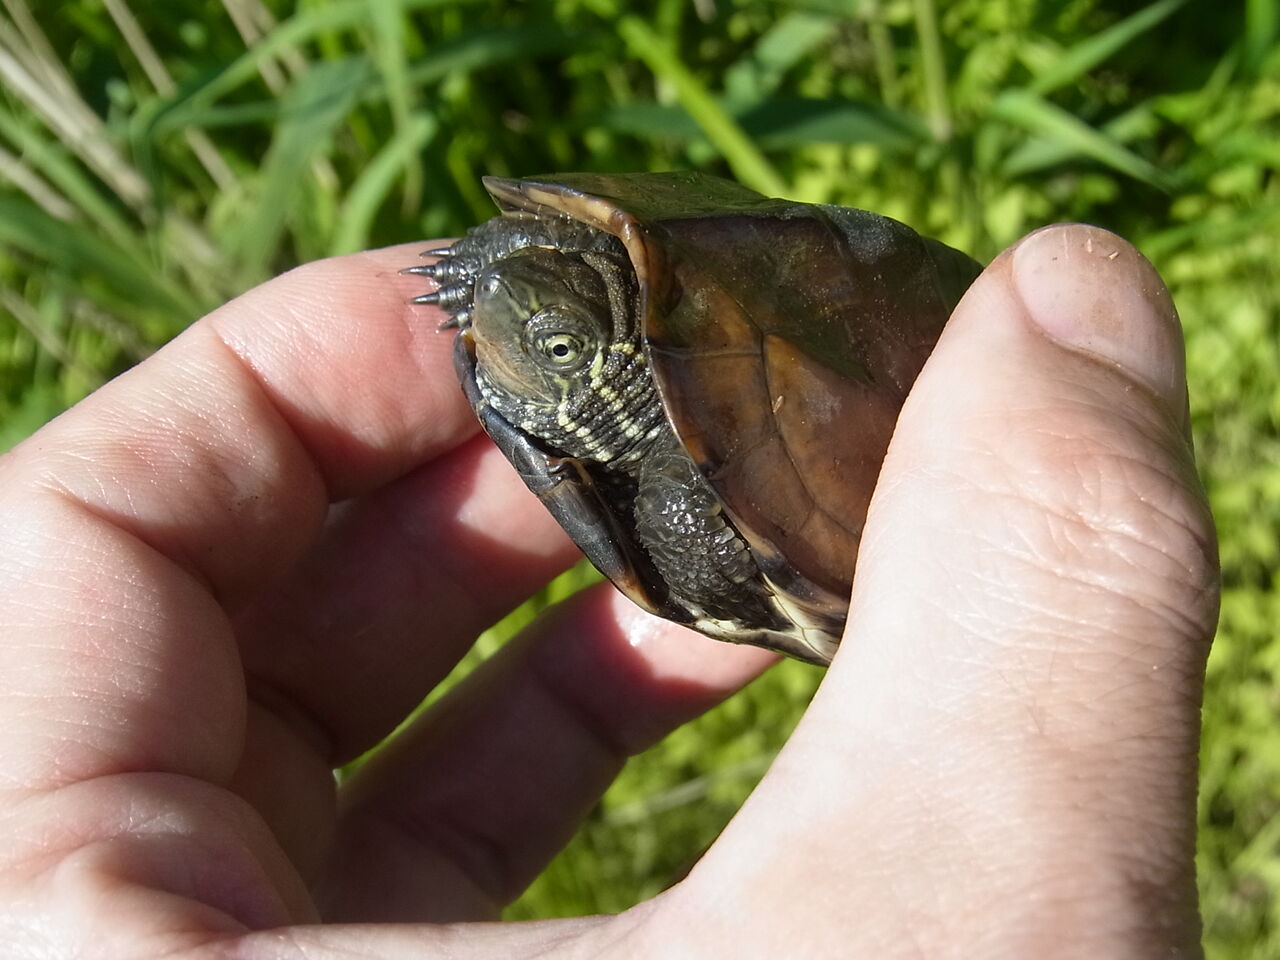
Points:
(313, 388)
(181, 488)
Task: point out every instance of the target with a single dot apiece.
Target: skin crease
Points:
(999, 763)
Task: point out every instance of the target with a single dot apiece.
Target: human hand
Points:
(1001, 760)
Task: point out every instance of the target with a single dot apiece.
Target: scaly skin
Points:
(599, 405)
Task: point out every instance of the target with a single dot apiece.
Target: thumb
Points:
(1004, 751)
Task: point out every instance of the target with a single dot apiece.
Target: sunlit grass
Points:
(158, 159)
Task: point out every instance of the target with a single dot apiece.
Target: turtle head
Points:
(541, 324)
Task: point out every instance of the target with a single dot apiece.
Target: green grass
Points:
(158, 159)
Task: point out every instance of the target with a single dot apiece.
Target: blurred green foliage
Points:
(157, 159)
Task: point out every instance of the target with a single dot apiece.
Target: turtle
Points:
(698, 381)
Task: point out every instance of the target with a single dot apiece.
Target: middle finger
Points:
(395, 593)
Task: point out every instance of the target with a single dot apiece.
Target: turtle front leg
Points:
(693, 545)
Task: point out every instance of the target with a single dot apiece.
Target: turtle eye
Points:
(562, 351)
(556, 339)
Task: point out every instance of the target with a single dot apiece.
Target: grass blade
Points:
(934, 70)
(1083, 57)
(786, 122)
(371, 188)
(480, 48)
(652, 121)
(77, 127)
(1261, 27)
(18, 174)
(153, 66)
(389, 58)
(1043, 153)
(312, 109)
(131, 286)
(782, 46)
(1025, 109)
(743, 156)
(299, 28)
(780, 123)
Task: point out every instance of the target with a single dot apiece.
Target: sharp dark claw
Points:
(422, 270)
(436, 251)
(427, 299)
(450, 324)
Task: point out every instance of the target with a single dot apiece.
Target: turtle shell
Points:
(782, 339)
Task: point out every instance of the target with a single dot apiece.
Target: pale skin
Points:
(1000, 762)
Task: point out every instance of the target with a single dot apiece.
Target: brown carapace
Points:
(699, 382)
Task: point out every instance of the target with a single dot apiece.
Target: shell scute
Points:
(782, 339)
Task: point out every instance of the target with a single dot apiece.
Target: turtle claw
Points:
(454, 272)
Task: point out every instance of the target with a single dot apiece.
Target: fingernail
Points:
(1094, 293)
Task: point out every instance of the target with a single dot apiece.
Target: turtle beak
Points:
(493, 292)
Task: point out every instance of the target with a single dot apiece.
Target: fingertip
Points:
(674, 653)
(644, 674)
(1038, 489)
(362, 376)
(1093, 292)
